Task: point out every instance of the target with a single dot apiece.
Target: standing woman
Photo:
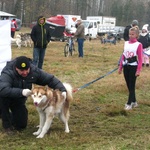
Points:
(79, 34)
(131, 62)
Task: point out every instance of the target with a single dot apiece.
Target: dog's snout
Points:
(35, 103)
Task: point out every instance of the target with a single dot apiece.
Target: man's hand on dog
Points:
(26, 92)
(64, 94)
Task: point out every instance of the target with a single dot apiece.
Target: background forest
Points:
(124, 10)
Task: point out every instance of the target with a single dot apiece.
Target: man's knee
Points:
(20, 118)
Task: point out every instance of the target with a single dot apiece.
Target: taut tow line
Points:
(89, 83)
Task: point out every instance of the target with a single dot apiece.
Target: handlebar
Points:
(68, 34)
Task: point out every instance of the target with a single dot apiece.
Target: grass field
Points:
(98, 120)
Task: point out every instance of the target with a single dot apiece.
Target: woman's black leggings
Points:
(130, 78)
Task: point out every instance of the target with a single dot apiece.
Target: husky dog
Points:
(50, 103)
(26, 39)
(110, 38)
(16, 40)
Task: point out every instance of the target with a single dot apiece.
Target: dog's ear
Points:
(46, 87)
(33, 86)
(49, 92)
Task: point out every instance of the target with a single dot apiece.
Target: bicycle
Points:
(69, 48)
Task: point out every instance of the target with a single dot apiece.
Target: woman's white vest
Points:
(130, 50)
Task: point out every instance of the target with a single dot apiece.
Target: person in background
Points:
(40, 36)
(127, 28)
(13, 27)
(145, 40)
(79, 34)
(131, 62)
(16, 81)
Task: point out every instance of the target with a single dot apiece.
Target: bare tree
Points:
(123, 10)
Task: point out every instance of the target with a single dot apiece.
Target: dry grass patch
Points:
(98, 120)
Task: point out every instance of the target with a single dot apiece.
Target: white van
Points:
(90, 28)
(99, 25)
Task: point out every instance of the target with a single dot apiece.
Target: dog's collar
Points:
(46, 105)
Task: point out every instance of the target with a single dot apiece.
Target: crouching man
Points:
(15, 86)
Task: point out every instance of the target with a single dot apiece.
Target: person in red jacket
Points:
(13, 27)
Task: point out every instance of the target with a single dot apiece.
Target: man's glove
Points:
(26, 92)
(64, 94)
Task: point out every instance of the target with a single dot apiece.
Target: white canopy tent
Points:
(5, 43)
(4, 15)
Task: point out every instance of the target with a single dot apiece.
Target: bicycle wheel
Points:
(70, 50)
(66, 50)
(73, 47)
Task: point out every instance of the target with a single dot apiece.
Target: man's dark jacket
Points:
(12, 84)
(126, 32)
(40, 34)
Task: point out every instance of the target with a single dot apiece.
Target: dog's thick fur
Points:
(50, 103)
(22, 40)
(26, 39)
(16, 40)
(111, 40)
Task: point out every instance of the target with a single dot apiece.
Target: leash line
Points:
(89, 83)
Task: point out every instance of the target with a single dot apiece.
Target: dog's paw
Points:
(37, 126)
(67, 130)
(36, 133)
(40, 136)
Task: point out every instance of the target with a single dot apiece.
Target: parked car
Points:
(119, 30)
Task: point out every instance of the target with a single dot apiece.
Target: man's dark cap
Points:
(23, 63)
